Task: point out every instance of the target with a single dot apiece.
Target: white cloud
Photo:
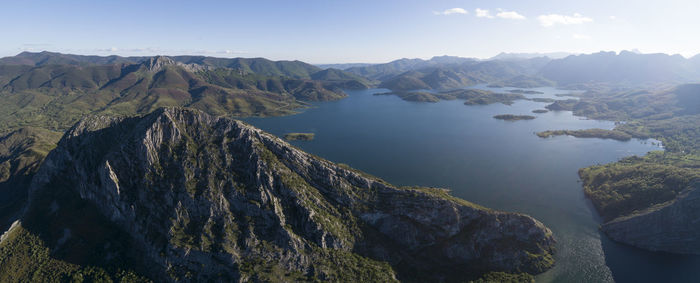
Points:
(481, 13)
(511, 15)
(581, 36)
(554, 19)
(612, 18)
(453, 11)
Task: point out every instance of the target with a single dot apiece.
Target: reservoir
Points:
(495, 163)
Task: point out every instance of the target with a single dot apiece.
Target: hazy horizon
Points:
(320, 32)
(332, 63)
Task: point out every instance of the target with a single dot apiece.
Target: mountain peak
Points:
(195, 190)
(157, 63)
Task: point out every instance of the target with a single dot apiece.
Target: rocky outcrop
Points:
(157, 63)
(208, 198)
(671, 227)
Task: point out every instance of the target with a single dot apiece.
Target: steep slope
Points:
(21, 154)
(203, 198)
(671, 227)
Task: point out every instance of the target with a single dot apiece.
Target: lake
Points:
(495, 163)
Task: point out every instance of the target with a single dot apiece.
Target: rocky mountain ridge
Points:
(208, 198)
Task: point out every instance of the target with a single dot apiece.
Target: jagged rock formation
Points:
(670, 227)
(157, 63)
(207, 198)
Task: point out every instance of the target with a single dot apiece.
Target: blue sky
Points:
(347, 31)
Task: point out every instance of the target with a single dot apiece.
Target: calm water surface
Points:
(495, 163)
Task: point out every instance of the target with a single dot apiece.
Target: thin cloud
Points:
(453, 11)
(511, 15)
(581, 36)
(482, 13)
(36, 44)
(556, 19)
(112, 49)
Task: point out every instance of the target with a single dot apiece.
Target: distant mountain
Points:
(535, 69)
(259, 66)
(343, 66)
(36, 87)
(341, 79)
(53, 58)
(451, 76)
(388, 70)
(445, 59)
(520, 56)
(624, 68)
(178, 195)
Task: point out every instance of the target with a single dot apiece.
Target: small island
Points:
(299, 136)
(415, 96)
(542, 99)
(522, 91)
(511, 117)
(562, 105)
(588, 133)
(540, 111)
(470, 96)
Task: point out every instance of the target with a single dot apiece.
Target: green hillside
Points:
(638, 183)
(53, 90)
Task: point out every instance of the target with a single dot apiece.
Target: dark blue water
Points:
(498, 164)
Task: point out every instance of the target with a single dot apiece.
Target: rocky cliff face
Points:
(157, 63)
(207, 198)
(671, 227)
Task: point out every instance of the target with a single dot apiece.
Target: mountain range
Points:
(152, 179)
(520, 56)
(53, 90)
(38, 88)
(626, 69)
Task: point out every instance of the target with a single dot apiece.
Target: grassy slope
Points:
(52, 90)
(635, 183)
(21, 154)
(25, 257)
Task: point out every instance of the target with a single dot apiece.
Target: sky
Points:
(331, 31)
